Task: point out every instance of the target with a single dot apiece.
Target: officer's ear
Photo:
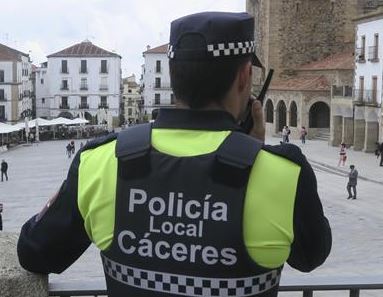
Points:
(245, 74)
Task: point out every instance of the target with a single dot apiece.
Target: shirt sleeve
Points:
(312, 232)
(55, 238)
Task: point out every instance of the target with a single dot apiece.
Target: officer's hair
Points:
(199, 83)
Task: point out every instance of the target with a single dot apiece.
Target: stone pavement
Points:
(36, 173)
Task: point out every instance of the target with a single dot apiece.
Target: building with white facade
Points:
(368, 83)
(157, 91)
(83, 79)
(131, 98)
(15, 85)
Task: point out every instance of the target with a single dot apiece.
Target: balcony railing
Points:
(64, 88)
(365, 97)
(83, 106)
(64, 106)
(352, 285)
(360, 54)
(83, 87)
(341, 91)
(65, 71)
(83, 70)
(373, 54)
(104, 70)
(163, 86)
(103, 105)
(103, 87)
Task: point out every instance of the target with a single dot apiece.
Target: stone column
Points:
(276, 122)
(372, 134)
(14, 280)
(348, 131)
(337, 128)
(359, 136)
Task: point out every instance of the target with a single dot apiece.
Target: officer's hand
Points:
(258, 131)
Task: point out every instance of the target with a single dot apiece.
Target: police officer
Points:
(189, 205)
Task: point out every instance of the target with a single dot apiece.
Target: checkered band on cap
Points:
(185, 285)
(224, 49)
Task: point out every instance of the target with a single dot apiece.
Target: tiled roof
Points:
(7, 53)
(340, 61)
(84, 49)
(313, 83)
(162, 49)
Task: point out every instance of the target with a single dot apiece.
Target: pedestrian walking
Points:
(1, 217)
(288, 132)
(352, 182)
(69, 150)
(342, 154)
(72, 147)
(4, 170)
(218, 214)
(379, 152)
(303, 134)
(284, 134)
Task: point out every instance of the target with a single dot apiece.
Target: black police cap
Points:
(212, 35)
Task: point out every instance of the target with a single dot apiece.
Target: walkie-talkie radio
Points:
(247, 123)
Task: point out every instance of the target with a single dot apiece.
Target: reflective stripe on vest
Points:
(268, 225)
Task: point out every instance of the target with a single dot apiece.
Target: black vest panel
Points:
(178, 228)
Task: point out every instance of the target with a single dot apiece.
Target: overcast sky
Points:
(127, 27)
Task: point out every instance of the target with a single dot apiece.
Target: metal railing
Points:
(373, 54)
(368, 97)
(103, 87)
(360, 55)
(83, 106)
(307, 287)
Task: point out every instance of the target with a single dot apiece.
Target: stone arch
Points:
(65, 114)
(281, 115)
(269, 111)
(293, 114)
(319, 115)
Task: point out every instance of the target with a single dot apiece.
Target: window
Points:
(83, 68)
(42, 100)
(361, 88)
(129, 111)
(2, 97)
(64, 103)
(42, 81)
(1, 75)
(363, 45)
(103, 84)
(172, 101)
(103, 100)
(129, 101)
(129, 90)
(104, 68)
(84, 84)
(158, 82)
(157, 99)
(374, 88)
(158, 66)
(64, 84)
(64, 66)
(2, 113)
(376, 44)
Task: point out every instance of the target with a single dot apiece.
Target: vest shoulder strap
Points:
(134, 142)
(239, 150)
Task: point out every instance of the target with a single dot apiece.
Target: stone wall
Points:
(14, 280)
(294, 32)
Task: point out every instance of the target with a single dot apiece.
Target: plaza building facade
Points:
(156, 89)
(131, 98)
(81, 80)
(301, 40)
(15, 85)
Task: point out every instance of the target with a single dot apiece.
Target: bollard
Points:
(14, 280)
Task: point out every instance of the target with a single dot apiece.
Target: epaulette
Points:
(96, 142)
(288, 151)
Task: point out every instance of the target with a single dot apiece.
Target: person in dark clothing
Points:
(352, 182)
(379, 152)
(1, 218)
(204, 209)
(4, 170)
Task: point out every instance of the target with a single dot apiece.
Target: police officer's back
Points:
(189, 205)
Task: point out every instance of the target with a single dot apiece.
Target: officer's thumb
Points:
(258, 131)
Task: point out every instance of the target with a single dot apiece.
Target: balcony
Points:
(83, 106)
(162, 87)
(103, 87)
(84, 87)
(64, 106)
(103, 105)
(83, 71)
(373, 54)
(366, 97)
(64, 71)
(104, 70)
(341, 91)
(64, 88)
(360, 54)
